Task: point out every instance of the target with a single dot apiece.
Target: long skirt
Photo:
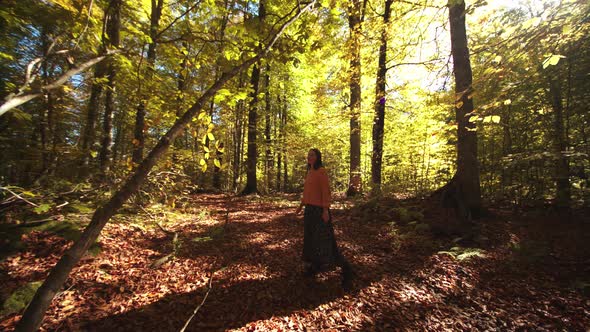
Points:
(319, 243)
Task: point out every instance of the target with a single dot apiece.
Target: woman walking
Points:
(320, 251)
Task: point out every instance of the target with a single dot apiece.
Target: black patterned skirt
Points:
(319, 243)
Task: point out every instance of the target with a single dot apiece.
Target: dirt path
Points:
(252, 247)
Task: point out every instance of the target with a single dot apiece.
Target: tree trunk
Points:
(280, 144)
(252, 154)
(113, 28)
(267, 126)
(354, 23)
(563, 194)
(467, 175)
(139, 137)
(379, 118)
(89, 135)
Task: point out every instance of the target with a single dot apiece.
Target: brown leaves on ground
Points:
(252, 247)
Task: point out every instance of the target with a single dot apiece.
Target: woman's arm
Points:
(326, 195)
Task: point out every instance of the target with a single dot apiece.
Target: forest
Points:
(153, 154)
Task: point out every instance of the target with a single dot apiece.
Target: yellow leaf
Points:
(202, 162)
(459, 104)
(217, 163)
(201, 115)
(207, 155)
(507, 102)
(211, 137)
(495, 118)
(204, 168)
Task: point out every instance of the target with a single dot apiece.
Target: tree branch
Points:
(14, 100)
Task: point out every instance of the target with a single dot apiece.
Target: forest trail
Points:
(406, 279)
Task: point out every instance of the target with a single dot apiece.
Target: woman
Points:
(320, 251)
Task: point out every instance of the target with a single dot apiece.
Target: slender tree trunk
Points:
(562, 171)
(237, 143)
(33, 315)
(284, 144)
(354, 22)
(251, 183)
(252, 153)
(89, 135)
(379, 118)
(467, 175)
(138, 133)
(280, 143)
(113, 28)
(267, 126)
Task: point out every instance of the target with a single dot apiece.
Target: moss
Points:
(19, 299)
(461, 253)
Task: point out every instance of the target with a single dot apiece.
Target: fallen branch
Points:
(200, 305)
(18, 196)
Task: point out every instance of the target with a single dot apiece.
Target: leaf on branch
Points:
(552, 60)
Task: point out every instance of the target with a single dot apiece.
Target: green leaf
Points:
(42, 208)
(552, 60)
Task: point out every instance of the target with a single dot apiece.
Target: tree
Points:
(467, 175)
(252, 155)
(379, 117)
(113, 26)
(356, 14)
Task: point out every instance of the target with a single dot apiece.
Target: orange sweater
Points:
(316, 190)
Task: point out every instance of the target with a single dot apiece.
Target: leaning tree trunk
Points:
(379, 118)
(354, 23)
(113, 28)
(33, 315)
(467, 176)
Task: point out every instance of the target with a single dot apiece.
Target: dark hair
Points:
(318, 161)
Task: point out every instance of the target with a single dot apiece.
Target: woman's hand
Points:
(326, 216)
(298, 211)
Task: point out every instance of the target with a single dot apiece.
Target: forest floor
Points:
(527, 272)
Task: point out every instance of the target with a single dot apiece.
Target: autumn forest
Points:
(153, 155)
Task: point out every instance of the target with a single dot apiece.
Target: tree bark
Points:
(379, 118)
(267, 127)
(562, 172)
(113, 28)
(33, 315)
(89, 136)
(252, 154)
(138, 133)
(467, 175)
(354, 23)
